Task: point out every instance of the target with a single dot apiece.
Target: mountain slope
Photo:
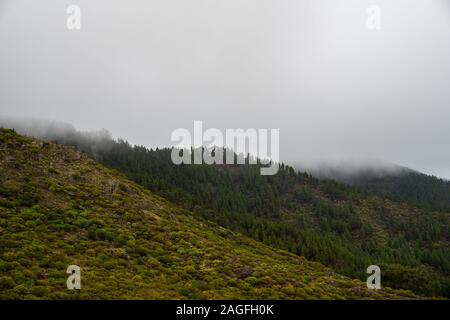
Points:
(391, 181)
(414, 187)
(324, 221)
(58, 207)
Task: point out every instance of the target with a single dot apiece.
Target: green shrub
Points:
(7, 283)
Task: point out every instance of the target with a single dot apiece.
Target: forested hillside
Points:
(390, 181)
(58, 207)
(321, 220)
(414, 187)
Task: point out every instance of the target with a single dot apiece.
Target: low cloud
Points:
(337, 91)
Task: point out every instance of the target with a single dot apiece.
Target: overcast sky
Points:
(334, 88)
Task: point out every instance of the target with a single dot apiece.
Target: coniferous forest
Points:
(323, 220)
(225, 156)
(60, 208)
(414, 187)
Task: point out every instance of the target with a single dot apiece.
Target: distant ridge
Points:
(392, 181)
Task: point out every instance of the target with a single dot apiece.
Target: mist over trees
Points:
(389, 180)
(323, 220)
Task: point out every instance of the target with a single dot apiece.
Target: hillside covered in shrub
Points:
(58, 207)
(322, 220)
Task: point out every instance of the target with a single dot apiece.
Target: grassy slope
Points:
(58, 207)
